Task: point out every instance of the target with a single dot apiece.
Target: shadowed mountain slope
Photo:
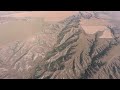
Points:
(78, 55)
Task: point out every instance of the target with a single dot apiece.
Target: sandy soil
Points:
(93, 25)
(21, 30)
(47, 15)
(18, 30)
(94, 22)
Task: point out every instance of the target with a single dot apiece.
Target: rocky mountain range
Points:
(85, 45)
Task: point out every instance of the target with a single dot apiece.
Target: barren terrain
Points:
(59, 45)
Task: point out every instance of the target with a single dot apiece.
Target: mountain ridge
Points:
(81, 63)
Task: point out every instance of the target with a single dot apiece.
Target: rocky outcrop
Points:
(78, 55)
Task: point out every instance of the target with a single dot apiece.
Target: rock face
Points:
(78, 55)
(64, 50)
(18, 59)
